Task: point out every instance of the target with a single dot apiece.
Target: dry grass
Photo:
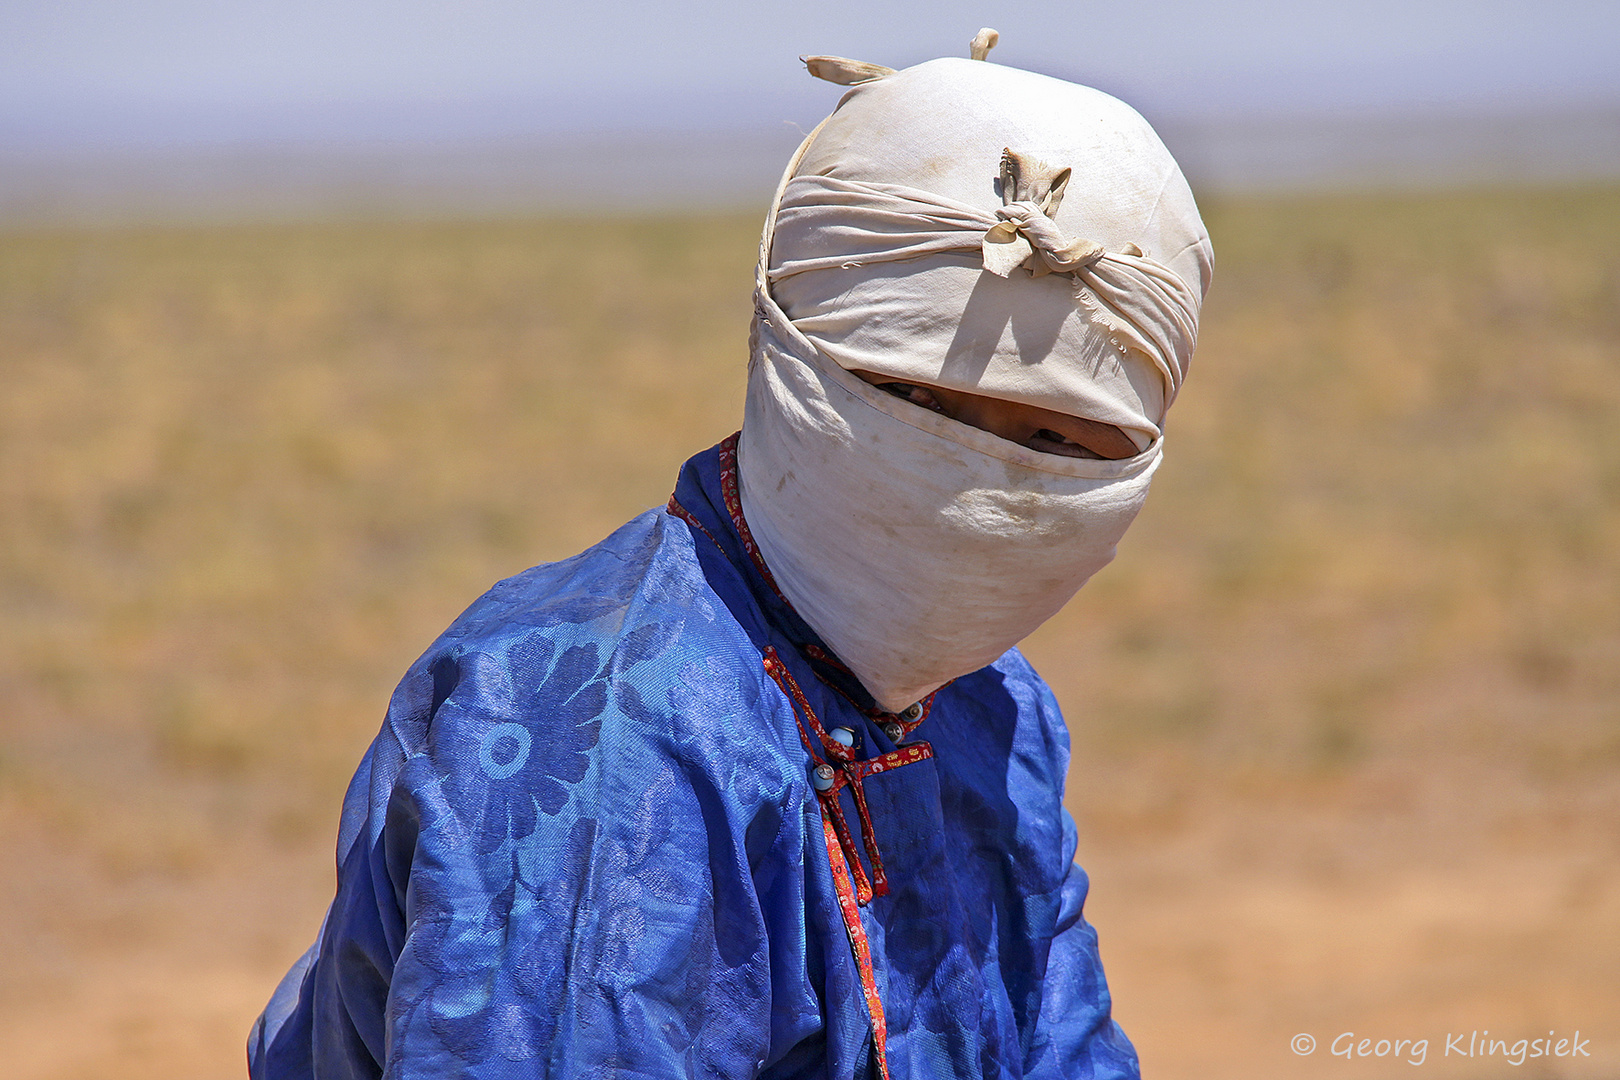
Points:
(1346, 711)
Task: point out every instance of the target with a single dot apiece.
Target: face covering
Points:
(919, 548)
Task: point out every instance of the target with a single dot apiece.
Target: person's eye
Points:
(1048, 441)
(917, 395)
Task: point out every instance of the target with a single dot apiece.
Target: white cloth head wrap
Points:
(878, 249)
(984, 229)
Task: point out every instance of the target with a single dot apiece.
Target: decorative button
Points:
(843, 736)
(894, 731)
(913, 711)
(822, 777)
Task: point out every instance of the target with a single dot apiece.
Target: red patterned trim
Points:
(849, 877)
(687, 516)
(833, 808)
(847, 772)
(733, 499)
(880, 879)
(909, 754)
(830, 804)
(851, 776)
(860, 947)
(790, 686)
(816, 652)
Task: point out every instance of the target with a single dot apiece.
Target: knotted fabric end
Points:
(844, 71)
(982, 43)
(1031, 192)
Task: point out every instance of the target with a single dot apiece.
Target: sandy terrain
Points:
(1346, 711)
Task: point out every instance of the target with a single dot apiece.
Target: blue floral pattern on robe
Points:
(585, 845)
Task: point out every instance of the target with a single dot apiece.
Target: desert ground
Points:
(1345, 711)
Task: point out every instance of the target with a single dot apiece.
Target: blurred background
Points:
(316, 319)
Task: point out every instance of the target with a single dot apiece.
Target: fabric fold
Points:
(829, 224)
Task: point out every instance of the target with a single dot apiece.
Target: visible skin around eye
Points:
(1027, 425)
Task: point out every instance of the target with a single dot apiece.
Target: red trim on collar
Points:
(733, 498)
(815, 652)
(730, 493)
(850, 883)
(690, 518)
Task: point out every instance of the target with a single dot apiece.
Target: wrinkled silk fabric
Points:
(876, 258)
(584, 844)
(920, 548)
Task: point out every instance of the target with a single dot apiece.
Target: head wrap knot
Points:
(1031, 192)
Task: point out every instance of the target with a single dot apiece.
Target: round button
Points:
(843, 736)
(913, 711)
(894, 731)
(822, 777)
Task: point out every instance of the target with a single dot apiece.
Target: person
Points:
(759, 786)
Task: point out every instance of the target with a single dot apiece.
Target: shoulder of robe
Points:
(629, 629)
(1040, 728)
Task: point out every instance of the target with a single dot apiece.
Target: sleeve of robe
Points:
(541, 875)
(1075, 1033)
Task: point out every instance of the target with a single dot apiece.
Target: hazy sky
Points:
(90, 71)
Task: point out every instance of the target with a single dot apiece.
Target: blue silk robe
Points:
(588, 843)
